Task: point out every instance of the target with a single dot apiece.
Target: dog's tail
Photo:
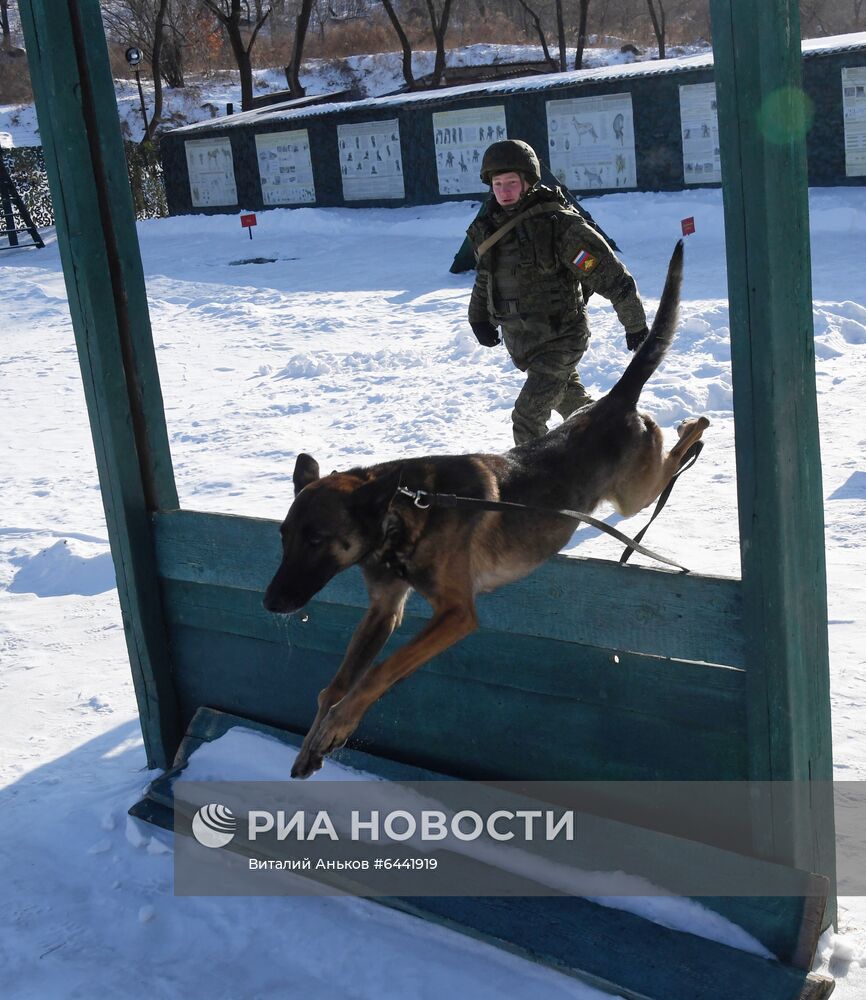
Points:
(650, 353)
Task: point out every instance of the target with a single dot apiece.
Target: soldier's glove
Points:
(486, 334)
(634, 340)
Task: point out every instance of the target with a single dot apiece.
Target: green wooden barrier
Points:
(763, 147)
(86, 167)
(584, 670)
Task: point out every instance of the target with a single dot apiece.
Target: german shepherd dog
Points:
(604, 451)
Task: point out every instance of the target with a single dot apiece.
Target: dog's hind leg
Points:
(452, 620)
(689, 432)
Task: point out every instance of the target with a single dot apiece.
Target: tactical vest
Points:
(525, 276)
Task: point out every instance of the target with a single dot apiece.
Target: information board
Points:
(699, 124)
(371, 163)
(285, 168)
(460, 138)
(591, 142)
(211, 172)
(854, 118)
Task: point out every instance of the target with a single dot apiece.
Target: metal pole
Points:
(143, 107)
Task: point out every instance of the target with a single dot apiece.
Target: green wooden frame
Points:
(584, 670)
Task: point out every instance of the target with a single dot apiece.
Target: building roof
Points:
(548, 81)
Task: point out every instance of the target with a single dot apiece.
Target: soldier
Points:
(537, 261)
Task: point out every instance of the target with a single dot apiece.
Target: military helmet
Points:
(510, 155)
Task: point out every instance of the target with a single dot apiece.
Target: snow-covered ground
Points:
(352, 345)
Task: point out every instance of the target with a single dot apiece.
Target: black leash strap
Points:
(423, 500)
(689, 459)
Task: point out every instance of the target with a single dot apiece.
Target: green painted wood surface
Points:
(671, 689)
(96, 234)
(485, 713)
(763, 130)
(589, 601)
(609, 948)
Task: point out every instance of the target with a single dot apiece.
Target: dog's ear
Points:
(306, 472)
(371, 499)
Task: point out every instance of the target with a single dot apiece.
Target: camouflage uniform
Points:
(533, 284)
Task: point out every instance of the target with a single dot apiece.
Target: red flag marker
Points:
(687, 224)
(248, 221)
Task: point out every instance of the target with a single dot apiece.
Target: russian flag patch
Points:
(584, 261)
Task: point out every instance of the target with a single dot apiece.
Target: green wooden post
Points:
(86, 168)
(764, 117)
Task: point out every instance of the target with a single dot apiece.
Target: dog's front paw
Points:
(325, 737)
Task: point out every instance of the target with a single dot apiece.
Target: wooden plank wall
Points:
(571, 674)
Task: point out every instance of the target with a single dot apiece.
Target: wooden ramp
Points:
(614, 950)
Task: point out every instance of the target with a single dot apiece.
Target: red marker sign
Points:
(248, 221)
(687, 224)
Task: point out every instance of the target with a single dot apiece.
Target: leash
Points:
(689, 459)
(423, 500)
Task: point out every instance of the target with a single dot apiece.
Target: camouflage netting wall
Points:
(26, 166)
(653, 127)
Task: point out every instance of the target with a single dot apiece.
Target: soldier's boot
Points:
(574, 397)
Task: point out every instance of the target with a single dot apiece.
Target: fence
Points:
(26, 166)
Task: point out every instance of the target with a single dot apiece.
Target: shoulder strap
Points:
(497, 236)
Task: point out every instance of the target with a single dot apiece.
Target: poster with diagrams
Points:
(591, 142)
(285, 168)
(371, 163)
(699, 124)
(854, 118)
(211, 172)
(460, 138)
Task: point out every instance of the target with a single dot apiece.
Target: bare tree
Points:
(134, 21)
(537, 21)
(439, 23)
(405, 44)
(657, 16)
(156, 55)
(181, 20)
(228, 13)
(582, 19)
(143, 22)
(560, 35)
(439, 27)
(294, 68)
(4, 23)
